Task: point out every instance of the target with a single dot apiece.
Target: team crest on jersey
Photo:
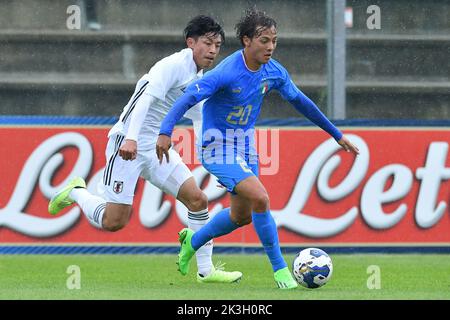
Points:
(264, 87)
(118, 186)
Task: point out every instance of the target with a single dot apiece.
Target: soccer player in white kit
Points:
(130, 152)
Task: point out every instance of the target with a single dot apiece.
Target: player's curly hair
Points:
(253, 23)
(202, 25)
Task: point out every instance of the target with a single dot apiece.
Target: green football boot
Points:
(186, 250)
(219, 275)
(61, 199)
(284, 279)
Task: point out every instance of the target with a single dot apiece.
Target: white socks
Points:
(92, 206)
(196, 220)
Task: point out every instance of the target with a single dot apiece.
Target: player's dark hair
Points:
(202, 25)
(253, 23)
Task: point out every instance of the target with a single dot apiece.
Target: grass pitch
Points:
(155, 277)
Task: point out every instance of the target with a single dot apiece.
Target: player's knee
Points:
(260, 202)
(197, 202)
(114, 222)
(242, 221)
(113, 225)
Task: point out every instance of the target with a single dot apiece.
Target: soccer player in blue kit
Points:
(235, 90)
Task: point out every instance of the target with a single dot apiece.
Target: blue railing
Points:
(150, 249)
(286, 122)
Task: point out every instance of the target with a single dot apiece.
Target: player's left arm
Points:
(308, 108)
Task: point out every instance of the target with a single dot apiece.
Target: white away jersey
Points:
(165, 83)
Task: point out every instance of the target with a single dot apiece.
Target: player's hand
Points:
(128, 150)
(348, 146)
(163, 145)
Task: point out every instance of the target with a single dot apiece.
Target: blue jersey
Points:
(236, 93)
(234, 96)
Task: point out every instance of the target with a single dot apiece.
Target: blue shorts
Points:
(230, 174)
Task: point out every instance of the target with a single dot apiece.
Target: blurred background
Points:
(51, 66)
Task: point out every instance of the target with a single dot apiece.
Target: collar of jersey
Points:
(245, 64)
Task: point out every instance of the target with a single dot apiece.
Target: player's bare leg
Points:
(250, 196)
(103, 215)
(191, 196)
(116, 216)
(108, 216)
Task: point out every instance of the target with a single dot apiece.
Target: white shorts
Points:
(120, 176)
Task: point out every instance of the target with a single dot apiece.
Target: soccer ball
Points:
(312, 268)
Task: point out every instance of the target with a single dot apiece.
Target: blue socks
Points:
(263, 223)
(268, 235)
(219, 225)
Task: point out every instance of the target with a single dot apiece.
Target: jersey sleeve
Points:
(286, 86)
(162, 77)
(197, 91)
(306, 106)
(138, 116)
(206, 86)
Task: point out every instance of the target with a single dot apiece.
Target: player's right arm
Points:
(195, 92)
